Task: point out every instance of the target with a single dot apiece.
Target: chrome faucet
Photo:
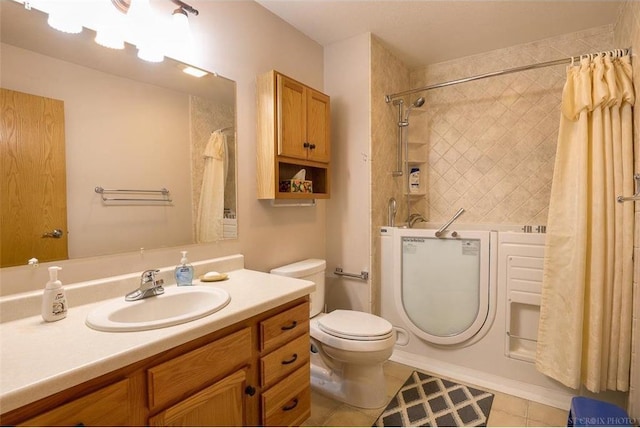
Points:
(415, 218)
(149, 286)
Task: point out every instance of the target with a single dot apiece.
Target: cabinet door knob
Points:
(250, 391)
(312, 146)
(306, 145)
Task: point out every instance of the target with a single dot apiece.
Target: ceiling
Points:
(422, 32)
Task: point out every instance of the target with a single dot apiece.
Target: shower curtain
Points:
(209, 226)
(584, 335)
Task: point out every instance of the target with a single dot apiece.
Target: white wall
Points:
(347, 80)
(239, 40)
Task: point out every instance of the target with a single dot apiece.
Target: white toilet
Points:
(348, 348)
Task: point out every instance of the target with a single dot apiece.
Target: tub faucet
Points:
(415, 218)
(149, 286)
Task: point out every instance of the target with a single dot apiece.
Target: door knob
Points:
(55, 233)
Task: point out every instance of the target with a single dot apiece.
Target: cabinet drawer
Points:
(284, 360)
(108, 406)
(283, 327)
(288, 403)
(189, 372)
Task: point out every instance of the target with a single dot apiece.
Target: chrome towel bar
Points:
(163, 192)
(364, 275)
(636, 196)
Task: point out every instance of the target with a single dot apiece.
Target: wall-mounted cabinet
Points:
(294, 133)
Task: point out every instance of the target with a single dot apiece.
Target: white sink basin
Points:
(176, 306)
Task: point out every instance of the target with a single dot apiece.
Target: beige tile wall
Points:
(388, 75)
(627, 34)
(491, 142)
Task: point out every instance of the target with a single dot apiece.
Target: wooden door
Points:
(33, 199)
(221, 404)
(318, 126)
(292, 104)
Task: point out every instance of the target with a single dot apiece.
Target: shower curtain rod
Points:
(569, 60)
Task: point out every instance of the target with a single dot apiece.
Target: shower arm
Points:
(444, 227)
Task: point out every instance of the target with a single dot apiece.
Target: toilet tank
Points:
(311, 270)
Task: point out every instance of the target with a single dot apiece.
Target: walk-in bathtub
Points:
(466, 306)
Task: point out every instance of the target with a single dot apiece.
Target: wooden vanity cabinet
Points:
(108, 406)
(294, 132)
(221, 404)
(253, 373)
(284, 367)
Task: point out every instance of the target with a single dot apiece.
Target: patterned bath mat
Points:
(427, 401)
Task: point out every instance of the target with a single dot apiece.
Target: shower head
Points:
(417, 103)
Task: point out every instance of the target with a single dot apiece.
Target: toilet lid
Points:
(355, 325)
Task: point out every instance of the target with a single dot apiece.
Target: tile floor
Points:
(506, 410)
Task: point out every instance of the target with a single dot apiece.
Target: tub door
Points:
(443, 292)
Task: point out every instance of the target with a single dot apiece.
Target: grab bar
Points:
(393, 209)
(513, 336)
(164, 192)
(447, 224)
(364, 275)
(636, 196)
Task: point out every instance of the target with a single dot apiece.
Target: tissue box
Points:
(296, 186)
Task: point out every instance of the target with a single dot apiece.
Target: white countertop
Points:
(39, 358)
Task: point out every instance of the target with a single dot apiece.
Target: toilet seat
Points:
(355, 325)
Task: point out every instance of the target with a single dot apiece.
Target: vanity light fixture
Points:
(194, 71)
(124, 19)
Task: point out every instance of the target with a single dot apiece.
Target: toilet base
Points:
(361, 386)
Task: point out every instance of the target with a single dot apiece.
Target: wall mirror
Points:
(125, 124)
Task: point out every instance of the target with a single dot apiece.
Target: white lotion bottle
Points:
(54, 300)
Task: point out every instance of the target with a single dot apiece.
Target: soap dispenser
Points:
(54, 300)
(184, 271)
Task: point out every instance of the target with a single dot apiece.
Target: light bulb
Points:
(110, 26)
(109, 38)
(62, 18)
(150, 53)
(180, 24)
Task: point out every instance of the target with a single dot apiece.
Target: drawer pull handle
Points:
(291, 406)
(290, 360)
(290, 326)
(250, 391)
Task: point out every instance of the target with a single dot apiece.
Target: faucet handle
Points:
(149, 275)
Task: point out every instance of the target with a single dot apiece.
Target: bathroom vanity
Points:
(247, 364)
